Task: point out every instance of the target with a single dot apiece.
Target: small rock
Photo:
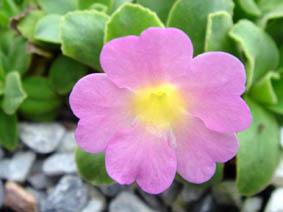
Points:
(252, 204)
(153, 201)
(206, 205)
(70, 195)
(2, 194)
(94, 205)
(68, 142)
(40, 181)
(112, 190)
(1, 153)
(60, 163)
(274, 204)
(226, 193)
(128, 202)
(38, 195)
(41, 137)
(18, 199)
(191, 194)
(171, 194)
(18, 168)
(278, 176)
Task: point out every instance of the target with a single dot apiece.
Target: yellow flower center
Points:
(158, 107)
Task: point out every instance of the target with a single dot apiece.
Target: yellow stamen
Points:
(159, 106)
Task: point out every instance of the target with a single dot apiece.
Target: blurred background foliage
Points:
(46, 46)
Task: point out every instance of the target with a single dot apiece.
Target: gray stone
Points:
(41, 137)
(171, 194)
(153, 201)
(191, 194)
(112, 190)
(1, 153)
(252, 205)
(94, 205)
(17, 168)
(278, 176)
(60, 163)
(40, 181)
(68, 142)
(2, 194)
(275, 203)
(226, 193)
(206, 205)
(128, 202)
(39, 196)
(69, 195)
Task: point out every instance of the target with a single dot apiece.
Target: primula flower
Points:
(157, 111)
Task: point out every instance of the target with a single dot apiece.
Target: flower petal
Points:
(198, 148)
(136, 154)
(102, 110)
(213, 88)
(154, 57)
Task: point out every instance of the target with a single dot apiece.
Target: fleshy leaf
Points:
(8, 131)
(119, 3)
(86, 4)
(269, 5)
(191, 17)
(278, 89)
(259, 48)
(14, 94)
(65, 72)
(161, 7)
(42, 103)
(249, 7)
(47, 28)
(58, 6)
(217, 177)
(82, 34)
(130, 19)
(27, 24)
(13, 53)
(92, 167)
(263, 91)
(259, 151)
(218, 26)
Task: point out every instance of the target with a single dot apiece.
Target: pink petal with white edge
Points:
(213, 88)
(198, 148)
(102, 109)
(156, 56)
(137, 155)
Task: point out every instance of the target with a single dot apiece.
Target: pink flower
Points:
(156, 110)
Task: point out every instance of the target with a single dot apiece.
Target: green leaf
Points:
(14, 94)
(259, 151)
(273, 14)
(191, 17)
(259, 48)
(27, 24)
(92, 167)
(269, 5)
(218, 26)
(130, 19)
(8, 131)
(86, 4)
(217, 177)
(82, 34)
(65, 72)
(13, 53)
(119, 3)
(161, 7)
(278, 89)
(99, 7)
(47, 28)
(58, 6)
(263, 91)
(2, 86)
(42, 101)
(249, 7)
